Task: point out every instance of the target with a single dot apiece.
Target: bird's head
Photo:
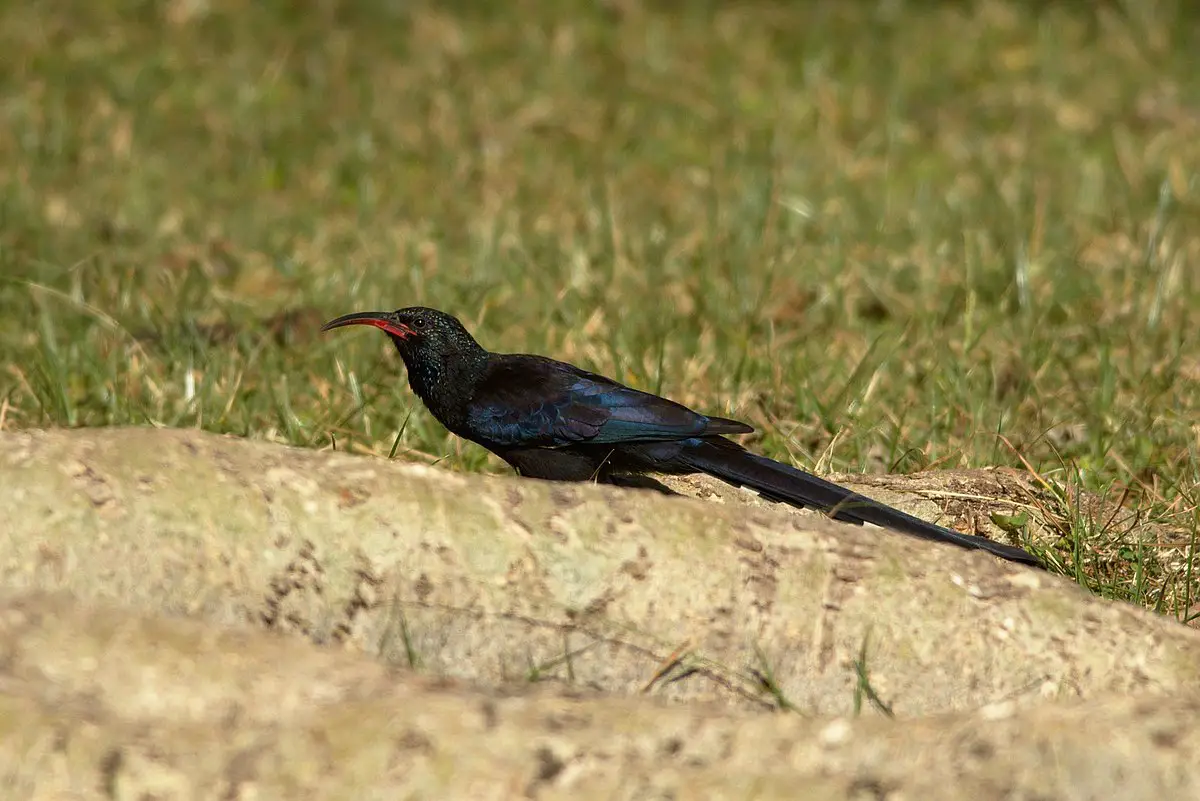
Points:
(419, 333)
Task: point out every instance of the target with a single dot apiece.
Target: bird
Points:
(554, 421)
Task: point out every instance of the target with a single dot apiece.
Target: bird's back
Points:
(534, 400)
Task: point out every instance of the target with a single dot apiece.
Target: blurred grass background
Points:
(892, 235)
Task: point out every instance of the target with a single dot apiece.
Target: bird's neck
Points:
(445, 382)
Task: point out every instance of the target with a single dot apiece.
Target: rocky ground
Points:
(192, 616)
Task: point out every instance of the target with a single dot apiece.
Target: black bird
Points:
(552, 420)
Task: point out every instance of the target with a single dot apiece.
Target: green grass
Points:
(889, 235)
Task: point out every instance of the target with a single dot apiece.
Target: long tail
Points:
(779, 482)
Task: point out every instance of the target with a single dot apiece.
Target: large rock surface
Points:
(187, 571)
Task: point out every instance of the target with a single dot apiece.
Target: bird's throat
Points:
(445, 382)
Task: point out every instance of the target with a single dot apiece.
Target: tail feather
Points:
(780, 482)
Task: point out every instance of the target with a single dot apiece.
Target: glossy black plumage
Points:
(554, 421)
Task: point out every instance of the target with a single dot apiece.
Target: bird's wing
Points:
(531, 401)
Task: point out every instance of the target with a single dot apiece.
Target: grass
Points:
(891, 236)
(862, 687)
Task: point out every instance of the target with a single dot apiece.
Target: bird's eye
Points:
(419, 322)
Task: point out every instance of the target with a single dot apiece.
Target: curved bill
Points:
(380, 320)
